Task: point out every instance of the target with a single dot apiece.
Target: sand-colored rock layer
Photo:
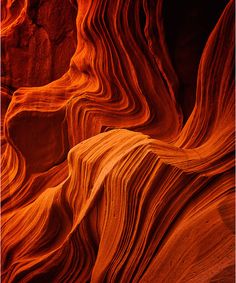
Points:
(117, 141)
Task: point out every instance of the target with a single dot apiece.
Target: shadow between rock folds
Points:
(106, 176)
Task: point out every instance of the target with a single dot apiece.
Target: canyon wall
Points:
(117, 141)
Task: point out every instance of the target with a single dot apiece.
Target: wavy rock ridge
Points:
(117, 141)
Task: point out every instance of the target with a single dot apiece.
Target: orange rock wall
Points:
(117, 141)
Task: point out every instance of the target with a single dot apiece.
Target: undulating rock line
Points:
(106, 176)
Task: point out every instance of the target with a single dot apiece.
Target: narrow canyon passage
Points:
(117, 141)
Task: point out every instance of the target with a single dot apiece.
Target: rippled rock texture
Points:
(117, 141)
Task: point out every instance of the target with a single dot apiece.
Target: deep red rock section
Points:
(117, 137)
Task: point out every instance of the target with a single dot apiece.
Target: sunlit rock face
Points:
(117, 141)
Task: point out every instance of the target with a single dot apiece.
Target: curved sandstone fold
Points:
(107, 174)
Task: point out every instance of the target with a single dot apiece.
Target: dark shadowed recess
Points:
(41, 45)
(188, 25)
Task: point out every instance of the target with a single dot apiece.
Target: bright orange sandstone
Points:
(117, 135)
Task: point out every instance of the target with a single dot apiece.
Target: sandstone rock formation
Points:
(117, 141)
